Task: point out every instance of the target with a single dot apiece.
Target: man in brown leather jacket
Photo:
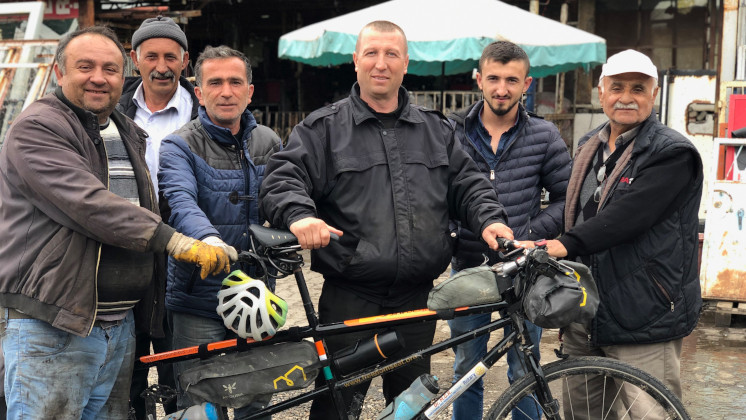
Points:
(82, 240)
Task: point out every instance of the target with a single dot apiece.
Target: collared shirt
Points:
(483, 138)
(161, 123)
(623, 138)
(588, 203)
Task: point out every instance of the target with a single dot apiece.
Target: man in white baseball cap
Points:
(628, 61)
(627, 68)
(631, 215)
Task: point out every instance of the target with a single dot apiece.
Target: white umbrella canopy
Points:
(450, 32)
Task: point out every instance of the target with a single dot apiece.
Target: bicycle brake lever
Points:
(509, 254)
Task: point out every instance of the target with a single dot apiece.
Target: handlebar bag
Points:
(556, 297)
(473, 286)
(236, 379)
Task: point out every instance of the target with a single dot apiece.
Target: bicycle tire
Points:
(579, 370)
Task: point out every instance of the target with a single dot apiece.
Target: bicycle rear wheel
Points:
(596, 383)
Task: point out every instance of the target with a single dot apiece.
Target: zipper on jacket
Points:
(241, 157)
(663, 290)
(241, 154)
(492, 174)
(98, 257)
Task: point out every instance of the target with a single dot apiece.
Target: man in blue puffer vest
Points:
(520, 154)
(223, 151)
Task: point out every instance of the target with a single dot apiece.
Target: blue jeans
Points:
(50, 373)
(192, 330)
(470, 404)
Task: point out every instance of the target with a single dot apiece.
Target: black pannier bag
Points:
(234, 380)
(560, 293)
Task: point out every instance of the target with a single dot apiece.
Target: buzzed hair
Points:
(504, 52)
(382, 26)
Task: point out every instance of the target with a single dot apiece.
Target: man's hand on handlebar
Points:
(313, 233)
(527, 244)
(496, 230)
(556, 249)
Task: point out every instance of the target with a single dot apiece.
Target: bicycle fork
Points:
(548, 403)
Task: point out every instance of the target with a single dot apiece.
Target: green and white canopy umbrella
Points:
(450, 32)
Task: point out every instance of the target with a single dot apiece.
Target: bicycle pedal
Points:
(560, 353)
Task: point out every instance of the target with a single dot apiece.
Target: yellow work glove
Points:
(211, 259)
(229, 250)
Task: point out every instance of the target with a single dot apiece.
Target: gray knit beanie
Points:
(159, 27)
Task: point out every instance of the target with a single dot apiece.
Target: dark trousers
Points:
(140, 376)
(336, 305)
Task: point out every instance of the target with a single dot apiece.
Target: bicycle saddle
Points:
(271, 237)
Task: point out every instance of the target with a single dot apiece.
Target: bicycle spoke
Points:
(619, 391)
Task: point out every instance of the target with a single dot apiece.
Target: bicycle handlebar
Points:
(509, 244)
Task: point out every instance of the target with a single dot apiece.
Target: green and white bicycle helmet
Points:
(248, 308)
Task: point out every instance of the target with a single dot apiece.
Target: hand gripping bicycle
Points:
(595, 381)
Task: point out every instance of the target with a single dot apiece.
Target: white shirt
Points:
(161, 123)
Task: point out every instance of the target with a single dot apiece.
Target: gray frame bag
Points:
(236, 379)
(469, 287)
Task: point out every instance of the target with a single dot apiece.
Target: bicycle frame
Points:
(336, 381)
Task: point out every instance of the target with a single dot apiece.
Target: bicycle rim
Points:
(602, 389)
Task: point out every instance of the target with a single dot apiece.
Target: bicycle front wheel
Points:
(592, 388)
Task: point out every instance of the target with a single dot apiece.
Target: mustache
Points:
(167, 75)
(619, 105)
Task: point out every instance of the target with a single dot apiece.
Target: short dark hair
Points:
(382, 26)
(219, 52)
(504, 52)
(93, 30)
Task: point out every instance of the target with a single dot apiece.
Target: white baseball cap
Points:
(629, 61)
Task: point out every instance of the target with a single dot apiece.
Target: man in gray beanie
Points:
(159, 27)
(160, 102)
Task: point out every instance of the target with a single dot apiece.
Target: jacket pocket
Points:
(637, 301)
(365, 262)
(666, 295)
(429, 160)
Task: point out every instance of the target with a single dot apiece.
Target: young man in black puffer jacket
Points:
(520, 154)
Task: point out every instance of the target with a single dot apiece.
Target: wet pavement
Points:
(713, 371)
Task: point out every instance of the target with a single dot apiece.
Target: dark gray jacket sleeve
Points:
(291, 177)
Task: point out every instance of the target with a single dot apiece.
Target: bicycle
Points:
(275, 254)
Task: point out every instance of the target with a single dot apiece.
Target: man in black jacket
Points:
(160, 101)
(631, 216)
(388, 175)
